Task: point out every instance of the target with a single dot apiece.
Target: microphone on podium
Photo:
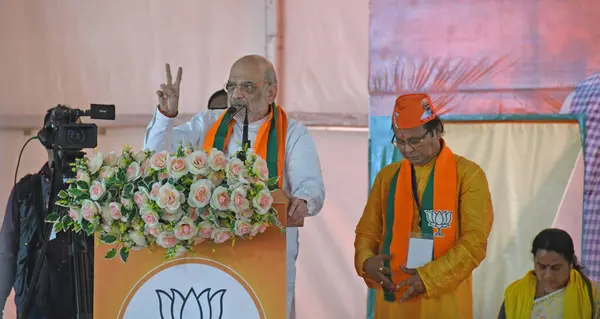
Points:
(231, 112)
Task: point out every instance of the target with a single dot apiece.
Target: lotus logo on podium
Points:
(192, 289)
(204, 305)
(439, 220)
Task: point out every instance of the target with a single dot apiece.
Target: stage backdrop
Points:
(530, 163)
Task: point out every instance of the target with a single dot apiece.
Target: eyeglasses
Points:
(247, 87)
(412, 142)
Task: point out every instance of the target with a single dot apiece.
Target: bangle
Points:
(165, 114)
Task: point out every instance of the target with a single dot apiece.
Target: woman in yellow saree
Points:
(556, 288)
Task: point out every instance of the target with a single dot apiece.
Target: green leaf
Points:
(273, 181)
(65, 220)
(128, 191)
(83, 185)
(75, 192)
(58, 226)
(121, 176)
(83, 196)
(52, 218)
(62, 194)
(108, 239)
(90, 229)
(180, 188)
(112, 253)
(124, 254)
(62, 202)
(76, 227)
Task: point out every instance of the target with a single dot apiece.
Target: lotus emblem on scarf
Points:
(439, 219)
(176, 305)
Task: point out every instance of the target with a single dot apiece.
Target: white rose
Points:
(83, 177)
(89, 209)
(185, 229)
(239, 201)
(95, 163)
(134, 171)
(197, 162)
(262, 202)
(217, 160)
(158, 161)
(168, 197)
(177, 167)
(173, 215)
(97, 190)
(140, 156)
(138, 238)
(220, 198)
(111, 159)
(200, 193)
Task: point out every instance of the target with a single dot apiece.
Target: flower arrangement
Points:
(173, 200)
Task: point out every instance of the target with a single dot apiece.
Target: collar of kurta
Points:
(269, 144)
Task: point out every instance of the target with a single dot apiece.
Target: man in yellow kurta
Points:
(433, 194)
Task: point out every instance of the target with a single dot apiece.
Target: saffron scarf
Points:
(269, 143)
(438, 208)
(578, 302)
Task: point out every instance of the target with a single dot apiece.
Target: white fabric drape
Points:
(530, 170)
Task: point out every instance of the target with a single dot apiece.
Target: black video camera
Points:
(63, 131)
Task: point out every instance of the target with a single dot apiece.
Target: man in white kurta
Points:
(253, 84)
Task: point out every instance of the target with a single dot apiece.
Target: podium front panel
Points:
(247, 280)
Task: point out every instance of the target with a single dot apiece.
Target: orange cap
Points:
(412, 110)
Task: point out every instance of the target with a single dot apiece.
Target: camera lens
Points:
(75, 136)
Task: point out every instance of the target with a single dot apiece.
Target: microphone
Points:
(232, 111)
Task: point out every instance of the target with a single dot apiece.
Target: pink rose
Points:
(198, 163)
(75, 214)
(234, 167)
(97, 190)
(158, 161)
(162, 176)
(154, 191)
(239, 202)
(220, 236)
(107, 172)
(217, 160)
(134, 171)
(216, 177)
(185, 229)
(261, 169)
(177, 167)
(166, 240)
(205, 229)
(245, 214)
(262, 202)
(115, 210)
(172, 215)
(200, 193)
(205, 214)
(111, 159)
(220, 198)
(127, 203)
(83, 177)
(140, 198)
(242, 228)
(149, 216)
(258, 228)
(146, 168)
(153, 230)
(89, 209)
(168, 197)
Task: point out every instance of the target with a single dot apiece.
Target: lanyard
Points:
(416, 194)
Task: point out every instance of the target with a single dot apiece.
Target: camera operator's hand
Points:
(168, 95)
